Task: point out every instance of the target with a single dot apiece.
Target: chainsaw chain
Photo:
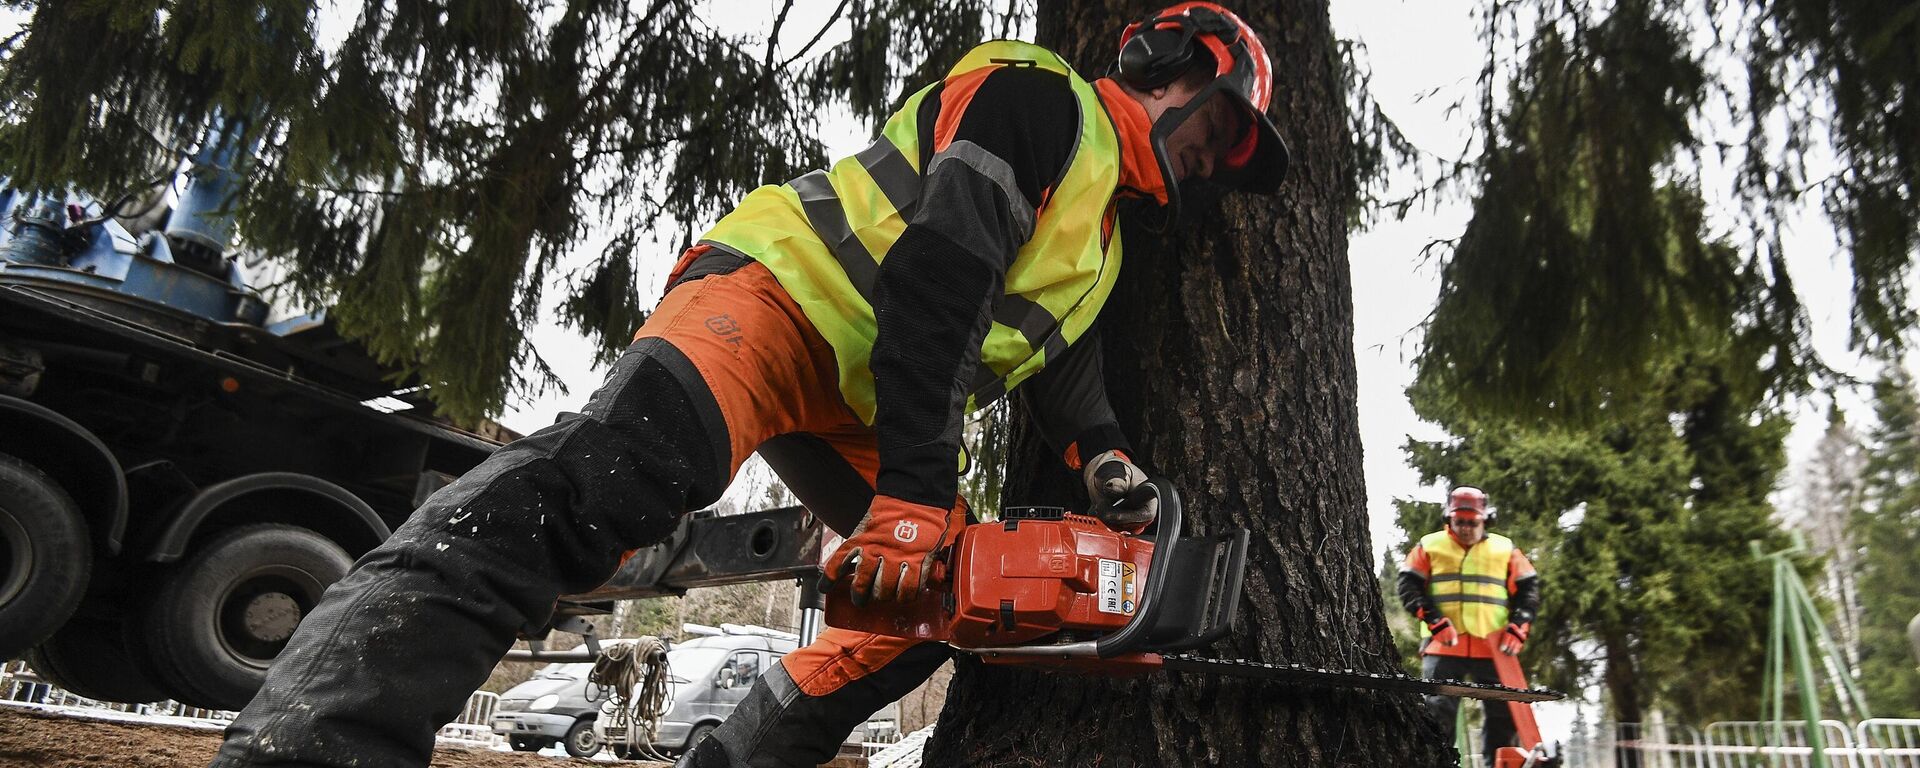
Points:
(1347, 678)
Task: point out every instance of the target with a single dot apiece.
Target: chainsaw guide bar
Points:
(1346, 678)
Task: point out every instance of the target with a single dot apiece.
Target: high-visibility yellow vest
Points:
(1470, 585)
(824, 235)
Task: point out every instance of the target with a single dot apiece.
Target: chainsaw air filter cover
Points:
(1023, 579)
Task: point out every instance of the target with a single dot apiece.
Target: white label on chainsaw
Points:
(1116, 587)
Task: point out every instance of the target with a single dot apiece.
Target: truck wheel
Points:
(45, 557)
(89, 657)
(581, 741)
(217, 623)
(526, 743)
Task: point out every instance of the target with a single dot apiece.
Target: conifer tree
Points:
(1562, 295)
(1886, 530)
(1640, 531)
(428, 174)
(1832, 491)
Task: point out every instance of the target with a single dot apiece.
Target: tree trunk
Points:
(1230, 359)
(1622, 693)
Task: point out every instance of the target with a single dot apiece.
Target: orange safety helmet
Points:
(1467, 498)
(1157, 50)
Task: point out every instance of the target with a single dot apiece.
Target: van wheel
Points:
(217, 623)
(526, 743)
(45, 557)
(581, 741)
(693, 739)
(90, 657)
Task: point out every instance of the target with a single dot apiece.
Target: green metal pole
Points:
(1850, 697)
(1774, 705)
(1803, 670)
(1460, 733)
(1775, 692)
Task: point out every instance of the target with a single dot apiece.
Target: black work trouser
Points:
(394, 649)
(1498, 730)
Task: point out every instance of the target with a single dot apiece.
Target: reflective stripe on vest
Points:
(825, 234)
(1470, 585)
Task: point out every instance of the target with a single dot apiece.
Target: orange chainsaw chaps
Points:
(1524, 726)
(1510, 757)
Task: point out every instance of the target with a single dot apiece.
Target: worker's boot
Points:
(394, 649)
(843, 678)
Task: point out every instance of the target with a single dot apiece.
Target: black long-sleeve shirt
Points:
(990, 156)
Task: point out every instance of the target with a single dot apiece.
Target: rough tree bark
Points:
(1230, 359)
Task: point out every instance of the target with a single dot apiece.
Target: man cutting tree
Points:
(841, 325)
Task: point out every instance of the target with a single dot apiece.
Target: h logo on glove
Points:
(890, 556)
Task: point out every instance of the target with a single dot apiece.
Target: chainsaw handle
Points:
(1166, 535)
(1136, 498)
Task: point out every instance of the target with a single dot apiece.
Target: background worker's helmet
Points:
(1469, 500)
(1157, 50)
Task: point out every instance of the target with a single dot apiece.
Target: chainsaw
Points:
(1045, 587)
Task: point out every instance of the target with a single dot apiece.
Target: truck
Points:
(182, 474)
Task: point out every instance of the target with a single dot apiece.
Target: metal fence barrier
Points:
(1873, 743)
(1659, 745)
(1888, 742)
(1779, 744)
(474, 726)
(21, 687)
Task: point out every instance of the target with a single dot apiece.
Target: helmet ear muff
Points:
(1154, 57)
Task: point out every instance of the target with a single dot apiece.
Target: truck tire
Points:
(217, 622)
(580, 740)
(89, 657)
(45, 556)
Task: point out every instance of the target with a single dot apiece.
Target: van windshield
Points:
(573, 670)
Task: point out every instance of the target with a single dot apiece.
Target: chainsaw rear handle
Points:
(1138, 497)
(1166, 534)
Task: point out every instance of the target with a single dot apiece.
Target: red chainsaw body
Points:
(1016, 581)
(1026, 579)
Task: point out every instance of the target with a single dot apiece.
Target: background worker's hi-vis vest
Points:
(823, 236)
(1469, 584)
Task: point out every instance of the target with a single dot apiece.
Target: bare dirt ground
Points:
(33, 739)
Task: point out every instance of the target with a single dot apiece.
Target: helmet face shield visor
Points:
(1258, 163)
(1245, 150)
(1188, 35)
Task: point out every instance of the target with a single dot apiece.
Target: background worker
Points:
(1476, 596)
(841, 325)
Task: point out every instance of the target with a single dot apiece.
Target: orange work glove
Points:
(890, 555)
(1443, 632)
(1514, 638)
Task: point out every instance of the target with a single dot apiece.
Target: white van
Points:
(553, 707)
(707, 677)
